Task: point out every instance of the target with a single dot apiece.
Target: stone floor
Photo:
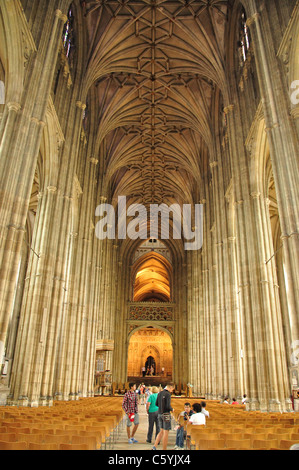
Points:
(121, 442)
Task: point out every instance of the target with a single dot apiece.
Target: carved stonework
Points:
(151, 312)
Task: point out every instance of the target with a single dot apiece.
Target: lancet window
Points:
(244, 42)
(68, 35)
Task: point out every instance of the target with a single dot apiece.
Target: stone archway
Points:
(154, 342)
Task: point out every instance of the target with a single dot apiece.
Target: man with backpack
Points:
(164, 415)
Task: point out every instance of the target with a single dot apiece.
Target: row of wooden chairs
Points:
(231, 427)
(250, 438)
(87, 424)
(31, 446)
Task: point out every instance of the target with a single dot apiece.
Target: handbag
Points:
(166, 417)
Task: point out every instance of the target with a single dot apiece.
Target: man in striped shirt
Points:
(130, 406)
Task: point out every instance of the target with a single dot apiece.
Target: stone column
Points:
(228, 313)
(209, 299)
(278, 388)
(247, 260)
(119, 367)
(64, 354)
(220, 313)
(283, 143)
(82, 272)
(35, 325)
(21, 131)
(194, 323)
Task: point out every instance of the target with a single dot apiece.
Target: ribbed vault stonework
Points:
(155, 66)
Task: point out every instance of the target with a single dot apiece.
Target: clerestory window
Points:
(244, 42)
(68, 35)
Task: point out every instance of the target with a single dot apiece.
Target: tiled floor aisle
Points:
(141, 435)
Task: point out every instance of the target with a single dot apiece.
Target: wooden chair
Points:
(265, 444)
(8, 437)
(75, 428)
(102, 432)
(91, 441)
(226, 436)
(286, 444)
(192, 431)
(280, 431)
(42, 446)
(279, 437)
(13, 445)
(14, 430)
(99, 438)
(12, 423)
(57, 438)
(210, 444)
(253, 436)
(34, 438)
(73, 447)
(238, 444)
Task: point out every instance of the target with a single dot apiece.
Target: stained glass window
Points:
(244, 39)
(68, 34)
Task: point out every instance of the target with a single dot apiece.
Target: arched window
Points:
(68, 35)
(244, 39)
(86, 116)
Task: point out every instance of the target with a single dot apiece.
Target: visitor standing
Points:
(142, 394)
(164, 414)
(203, 409)
(152, 411)
(130, 406)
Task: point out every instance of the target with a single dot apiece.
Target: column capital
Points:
(13, 106)
(239, 203)
(61, 16)
(252, 19)
(80, 105)
(51, 189)
(295, 112)
(229, 109)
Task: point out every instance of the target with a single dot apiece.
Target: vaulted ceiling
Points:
(156, 67)
(152, 280)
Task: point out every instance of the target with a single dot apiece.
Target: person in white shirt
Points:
(198, 417)
(203, 409)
